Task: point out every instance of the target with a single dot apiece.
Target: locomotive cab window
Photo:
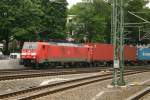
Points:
(30, 45)
(13, 56)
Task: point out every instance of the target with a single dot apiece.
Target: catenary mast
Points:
(118, 41)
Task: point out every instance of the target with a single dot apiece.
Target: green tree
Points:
(18, 19)
(28, 20)
(21, 19)
(54, 19)
(136, 6)
(7, 18)
(95, 18)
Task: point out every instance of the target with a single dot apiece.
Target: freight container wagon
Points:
(144, 54)
(102, 54)
(130, 54)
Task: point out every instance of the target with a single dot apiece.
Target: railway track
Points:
(17, 71)
(43, 73)
(40, 91)
(20, 71)
(22, 74)
(140, 94)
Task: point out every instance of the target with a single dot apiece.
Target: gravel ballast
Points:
(100, 90)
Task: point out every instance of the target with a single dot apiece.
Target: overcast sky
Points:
(72, 2)
(149, 4)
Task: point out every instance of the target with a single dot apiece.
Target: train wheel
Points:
(108, 64)
(36, 66)
(91, 64)
(66, 65)
(46, 65)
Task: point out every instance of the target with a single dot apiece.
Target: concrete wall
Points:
(10, 64)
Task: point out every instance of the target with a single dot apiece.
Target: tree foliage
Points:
(139, 8)
(20, 19)
(54, 19)
(96, 18)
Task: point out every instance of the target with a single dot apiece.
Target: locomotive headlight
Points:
(23, 54)
(33, 54)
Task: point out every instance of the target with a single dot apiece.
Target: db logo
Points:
(68, 52)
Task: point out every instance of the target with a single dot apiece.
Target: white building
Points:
(70, 18)
(1, 46)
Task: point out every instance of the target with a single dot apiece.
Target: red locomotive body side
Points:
(102, 52)
(67, 53)
(58, 53)
(42, 52)
(130, 53)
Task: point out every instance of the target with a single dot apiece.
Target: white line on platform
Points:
(46, 82)
(139, 83)
(101, 93)
(98, 95)
(145, 81)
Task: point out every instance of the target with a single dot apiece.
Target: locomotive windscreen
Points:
(30, 45)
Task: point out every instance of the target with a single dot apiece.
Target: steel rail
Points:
(140, 94)
(49, 73)
(57, 87)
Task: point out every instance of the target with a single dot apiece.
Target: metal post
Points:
(121, 80)
(114, 31)
(139, 33)
(118, 41)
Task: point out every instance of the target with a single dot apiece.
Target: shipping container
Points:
(130, 53)
(144, 54)
(103, 52)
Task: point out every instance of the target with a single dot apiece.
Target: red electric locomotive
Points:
(35, 53)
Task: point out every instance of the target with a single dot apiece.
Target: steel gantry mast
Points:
(118, 41)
